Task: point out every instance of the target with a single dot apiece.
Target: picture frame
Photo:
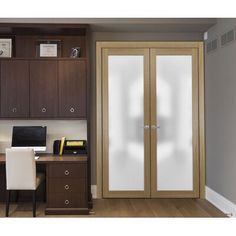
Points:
(5, 47)
(48, 48)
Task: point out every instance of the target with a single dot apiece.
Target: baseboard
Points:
(94, 191)
(228, 207)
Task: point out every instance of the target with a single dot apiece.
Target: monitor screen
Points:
(29, 136)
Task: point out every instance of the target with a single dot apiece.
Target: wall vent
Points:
(211, 46)
(227, 37)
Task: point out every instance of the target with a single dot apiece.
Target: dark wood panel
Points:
(64, 170)
(43, 89)
(25, 46)
(67, 200)
(15, 88)
(66, 185)
(72, 88)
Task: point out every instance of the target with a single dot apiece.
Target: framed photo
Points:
(48, 48)
(5, 47)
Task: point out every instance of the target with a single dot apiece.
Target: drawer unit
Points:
(67, 170)
(67, 187)
(60, 185)
(67, 200)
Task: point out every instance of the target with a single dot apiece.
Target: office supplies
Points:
(29, 136)
(62, 145)
(73, 147)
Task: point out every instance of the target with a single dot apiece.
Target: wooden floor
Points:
(130, 208)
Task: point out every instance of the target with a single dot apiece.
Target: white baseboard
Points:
(94, 191)
(228, 207)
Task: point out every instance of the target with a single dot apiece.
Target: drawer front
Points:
(66, 185)
(66, 200)
(67, 170)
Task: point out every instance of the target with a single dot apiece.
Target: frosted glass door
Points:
(125, 162)
(173, 124)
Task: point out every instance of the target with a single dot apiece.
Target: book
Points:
(62, 145)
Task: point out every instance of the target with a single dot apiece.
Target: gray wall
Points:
(123, 36)
(220, 101)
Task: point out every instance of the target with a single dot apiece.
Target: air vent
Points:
(211, 46)
(227, 37)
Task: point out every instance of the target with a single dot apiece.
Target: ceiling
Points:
(163, 25)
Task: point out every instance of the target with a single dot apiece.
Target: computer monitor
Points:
(29, 136)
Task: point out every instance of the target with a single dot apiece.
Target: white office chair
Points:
(21, 174)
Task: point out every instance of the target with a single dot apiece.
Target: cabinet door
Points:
(43, 89)
(15, 88)
(72, 89)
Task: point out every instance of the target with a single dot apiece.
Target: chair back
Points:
(20, 169)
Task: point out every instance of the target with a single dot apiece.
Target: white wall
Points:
(71, 129)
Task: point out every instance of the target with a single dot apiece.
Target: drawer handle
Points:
(72, 110)
(44, 110)
(67, 172)
(67, 202)
(14, 109)
(67, 187)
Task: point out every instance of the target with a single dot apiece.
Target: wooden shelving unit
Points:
(35, 87)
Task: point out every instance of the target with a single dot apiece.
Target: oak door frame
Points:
(201, 117)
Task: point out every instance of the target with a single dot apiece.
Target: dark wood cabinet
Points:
(72, 88)
(14, 88)
(43, 89)
(67, 187)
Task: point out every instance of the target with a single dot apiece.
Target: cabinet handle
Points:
(67, 202)
(67, 187)
(44, 110)
(14, 109)
(72, 110)
(67, 172)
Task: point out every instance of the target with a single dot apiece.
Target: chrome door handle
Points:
(155, 126)
(146, 126)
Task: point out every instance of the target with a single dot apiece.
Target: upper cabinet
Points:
(15, 88)
(43, 89)
(46, 75)
(72, 88)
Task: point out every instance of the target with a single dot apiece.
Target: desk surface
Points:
(46, 158)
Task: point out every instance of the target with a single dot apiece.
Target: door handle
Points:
(155, 126)
(146, 126)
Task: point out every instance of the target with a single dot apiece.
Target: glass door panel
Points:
(126, 119)
(174, 120)
(125, 167)
(173, 90)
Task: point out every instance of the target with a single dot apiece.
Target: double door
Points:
(150, 122)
